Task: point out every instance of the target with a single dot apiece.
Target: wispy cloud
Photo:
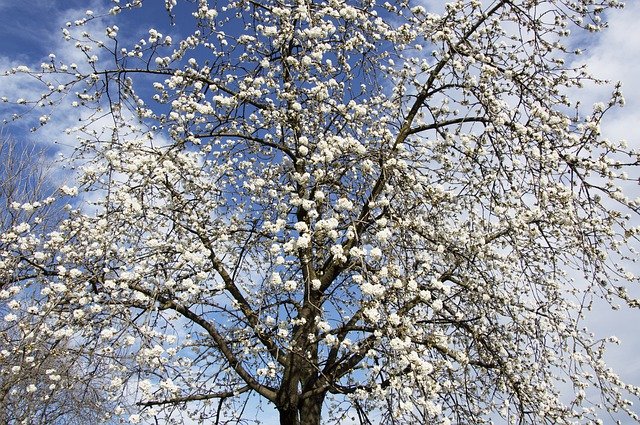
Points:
(616, 57)
(23, 86)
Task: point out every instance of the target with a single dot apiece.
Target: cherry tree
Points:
(37, 383)
(347, 211)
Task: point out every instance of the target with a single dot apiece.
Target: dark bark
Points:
(311, 410)
(289, 416)
(307, 412)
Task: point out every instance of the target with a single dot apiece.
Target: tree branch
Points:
(221, 343)
(195, 397)
(437, 125)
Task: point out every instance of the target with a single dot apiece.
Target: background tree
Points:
(37, 383)
(347, 209)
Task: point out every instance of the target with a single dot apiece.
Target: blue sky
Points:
(30, 30)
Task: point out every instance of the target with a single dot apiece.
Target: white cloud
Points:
(23, 86)
(54, 135)
(616, 57)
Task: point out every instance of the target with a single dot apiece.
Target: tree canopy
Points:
(354, 211)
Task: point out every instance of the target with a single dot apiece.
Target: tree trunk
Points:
(311, 410)
(308, 412)
(289, 417)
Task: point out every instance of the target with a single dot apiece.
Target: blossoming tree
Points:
(352, 211)
(37, 383)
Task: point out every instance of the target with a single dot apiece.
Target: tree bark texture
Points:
(307, 412)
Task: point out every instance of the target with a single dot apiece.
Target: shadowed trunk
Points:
(301, 373)
(289, 417)
(311, 410)
(308, 412)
